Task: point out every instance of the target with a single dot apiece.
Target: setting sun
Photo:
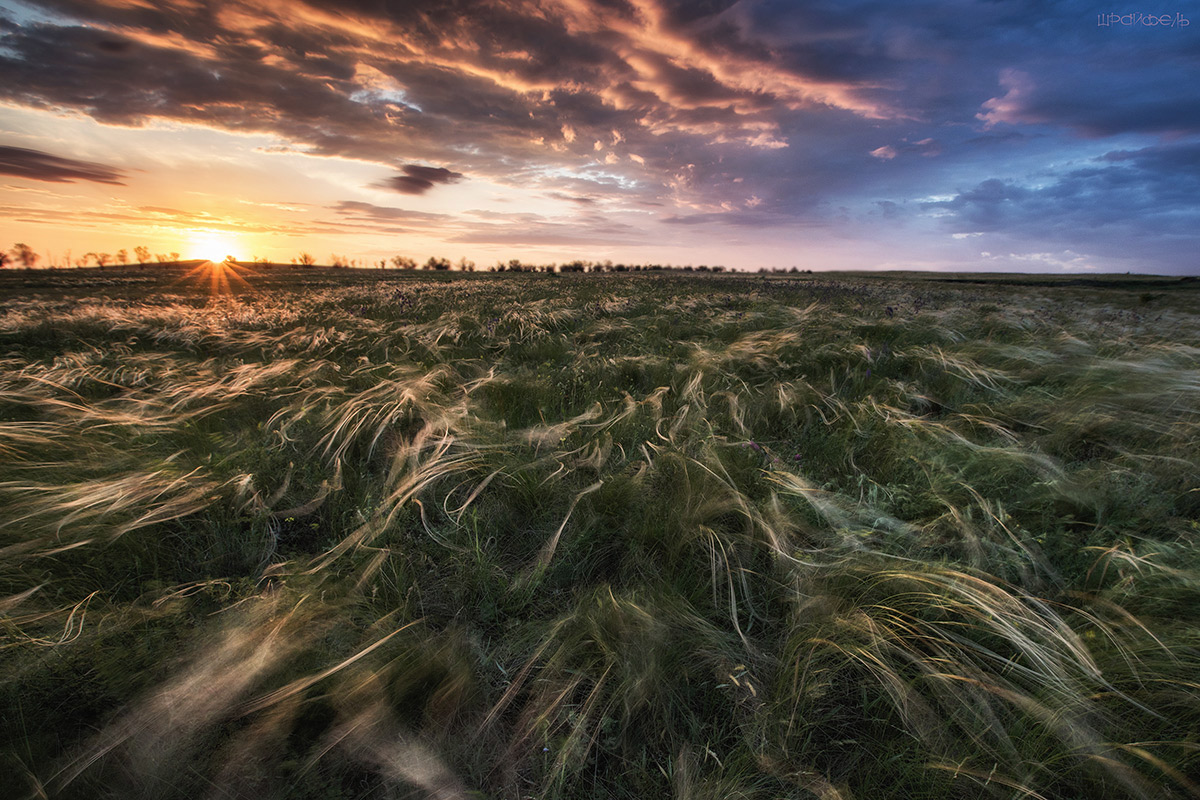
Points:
(212, 245)
(220, 275)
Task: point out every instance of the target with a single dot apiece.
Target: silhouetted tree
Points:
(175, 257)
(122, 256)
(403, 262)
(307, 259)
(437, 263)
(24, 255)
(465, 265)
(142, 253)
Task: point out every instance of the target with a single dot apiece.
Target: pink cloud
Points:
(1010, 108)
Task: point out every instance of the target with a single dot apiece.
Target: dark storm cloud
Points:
(36, 165)
(418, 179)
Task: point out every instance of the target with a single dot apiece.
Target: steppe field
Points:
(351, 534)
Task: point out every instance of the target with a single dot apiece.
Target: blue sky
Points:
(925, 135)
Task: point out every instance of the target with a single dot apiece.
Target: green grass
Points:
(622, 536)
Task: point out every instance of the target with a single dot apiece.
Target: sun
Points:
(218, 268)
(212, 245)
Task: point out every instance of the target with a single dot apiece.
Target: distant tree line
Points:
(23, 255)
(440, 264)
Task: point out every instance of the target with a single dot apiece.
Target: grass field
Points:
(350, 534)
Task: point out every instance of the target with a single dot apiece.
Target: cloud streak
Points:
(39, 166)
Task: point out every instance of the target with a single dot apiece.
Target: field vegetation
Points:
(405, 534)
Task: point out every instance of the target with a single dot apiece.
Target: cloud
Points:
(426, 78)
(1155, 189)
(178, 215)
(146, 221)
(693, 219)
(1103, 95)
(39, 166)
(548, 235)
(1180, 161)
(1064, 261)
(1013, 105)
(1130, 203)
(355, 209)
(419, 179)
(582, 200)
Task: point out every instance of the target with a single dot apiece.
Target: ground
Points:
(337, 533)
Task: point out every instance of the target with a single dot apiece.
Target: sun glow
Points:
(212, 245)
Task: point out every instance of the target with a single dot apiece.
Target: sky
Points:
(934, 134)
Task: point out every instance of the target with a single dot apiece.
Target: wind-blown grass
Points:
(621, 536)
